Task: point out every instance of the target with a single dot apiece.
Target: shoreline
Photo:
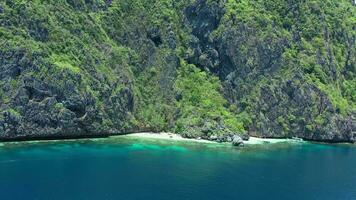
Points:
(167, 136)
(158, 136)
(177, 137)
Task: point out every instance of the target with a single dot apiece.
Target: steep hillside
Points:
(201, 68)
(289, 65)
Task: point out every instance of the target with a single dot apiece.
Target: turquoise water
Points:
(144, 169)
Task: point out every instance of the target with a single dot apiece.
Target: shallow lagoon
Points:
(134, 168)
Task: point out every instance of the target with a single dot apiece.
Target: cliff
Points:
(200, 68)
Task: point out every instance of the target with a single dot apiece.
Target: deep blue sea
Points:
(123, 168)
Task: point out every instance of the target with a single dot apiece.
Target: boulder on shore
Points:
(237, 141)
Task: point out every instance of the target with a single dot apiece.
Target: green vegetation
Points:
(269, 67)
(201, 100)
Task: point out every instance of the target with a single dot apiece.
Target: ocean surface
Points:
(123, 168)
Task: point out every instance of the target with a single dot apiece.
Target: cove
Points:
(145, 169)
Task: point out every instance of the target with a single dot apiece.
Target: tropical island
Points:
(219, 70)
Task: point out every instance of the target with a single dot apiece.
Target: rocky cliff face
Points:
(262, 68)
(55, 104)
(252, 60)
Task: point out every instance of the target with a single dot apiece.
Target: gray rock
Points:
(213, 137)
(237, 141)
(245, 137)
(229, 139)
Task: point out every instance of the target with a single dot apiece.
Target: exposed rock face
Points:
(281, 106)
(50, 111)
(291, 110)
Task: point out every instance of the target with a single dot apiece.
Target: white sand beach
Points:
(177, 137)
(255, 140)
(166, 136)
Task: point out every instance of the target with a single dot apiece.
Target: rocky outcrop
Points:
(43, 110)
(298, 109)
(237, 141)
(56, 103)
(214, 131)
